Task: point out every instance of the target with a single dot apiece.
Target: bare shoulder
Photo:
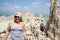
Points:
(10, 22)
(23, 23)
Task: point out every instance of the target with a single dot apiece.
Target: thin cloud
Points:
(6, 4)
(14, 8)
(17, 7)
(11, 7)
(25, 8)
(35, 4)
(47, 4)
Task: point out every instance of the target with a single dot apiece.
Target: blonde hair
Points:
(21, 20)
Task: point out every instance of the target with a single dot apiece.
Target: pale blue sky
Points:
(8, 7)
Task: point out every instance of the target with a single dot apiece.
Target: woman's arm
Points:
(7, 32)
(24, 31)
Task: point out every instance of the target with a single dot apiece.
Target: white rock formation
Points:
(32, 25)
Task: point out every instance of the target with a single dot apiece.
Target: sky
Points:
(59, 2)
(9, 7)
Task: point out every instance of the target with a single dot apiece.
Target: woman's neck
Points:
(16, 22)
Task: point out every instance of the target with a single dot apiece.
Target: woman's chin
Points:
(17, 21)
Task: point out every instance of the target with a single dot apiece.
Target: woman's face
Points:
(17, 18)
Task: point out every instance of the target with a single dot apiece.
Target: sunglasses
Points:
(16, 17)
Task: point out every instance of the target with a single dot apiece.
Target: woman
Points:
(16, 28)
